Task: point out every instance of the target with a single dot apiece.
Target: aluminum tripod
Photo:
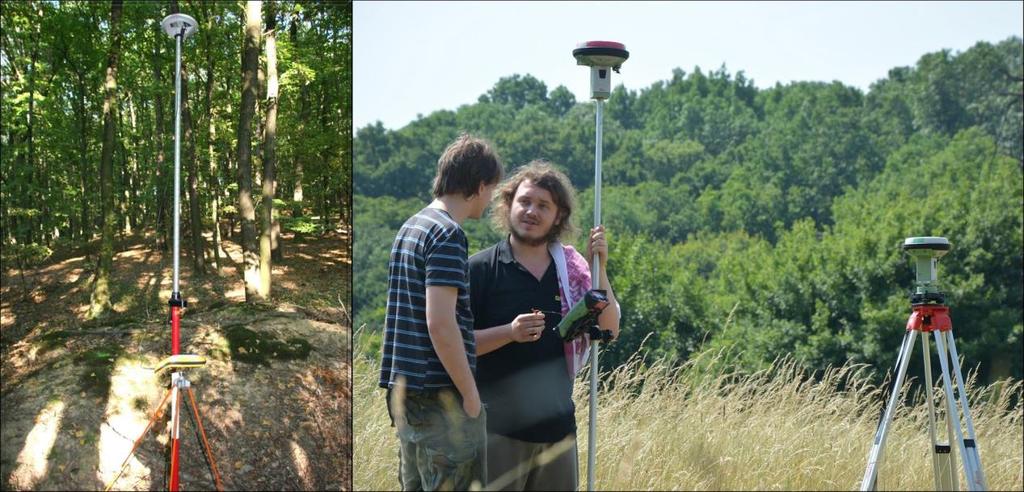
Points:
(931, 315)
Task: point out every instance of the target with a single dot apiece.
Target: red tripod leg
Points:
(176, 403)
(175, 438)
(205, 442)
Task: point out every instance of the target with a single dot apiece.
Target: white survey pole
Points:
(595, 282)
(179, 27)
(177, 154)
(595, 266)
(602, 57)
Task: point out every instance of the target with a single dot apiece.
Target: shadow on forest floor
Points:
(76, 392)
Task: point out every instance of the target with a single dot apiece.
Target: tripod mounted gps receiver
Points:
(930, 315)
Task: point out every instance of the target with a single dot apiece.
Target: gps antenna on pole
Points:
(602, 57)
(179, 27)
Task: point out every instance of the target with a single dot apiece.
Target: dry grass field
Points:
(689, 428)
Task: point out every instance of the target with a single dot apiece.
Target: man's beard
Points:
(534, 241)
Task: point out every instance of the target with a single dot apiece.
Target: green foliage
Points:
(517, 91)
(378, 221)
(97, 365)
(368, 344)
(54, 59)
(254, 347)
(25, 254)
(758, 223)
(301, 225)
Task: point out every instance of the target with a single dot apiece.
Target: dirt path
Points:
(274, 396)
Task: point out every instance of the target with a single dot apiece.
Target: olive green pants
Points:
(441, 448)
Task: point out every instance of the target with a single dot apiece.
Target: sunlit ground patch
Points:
(132, 381)
(32, 461)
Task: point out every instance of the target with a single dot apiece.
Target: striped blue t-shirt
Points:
(429, 250)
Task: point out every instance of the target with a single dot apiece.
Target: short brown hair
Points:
(545, 176)
(467, 163)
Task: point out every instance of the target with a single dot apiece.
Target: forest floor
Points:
(274, 396)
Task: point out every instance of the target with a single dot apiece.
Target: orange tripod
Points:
(179, 384)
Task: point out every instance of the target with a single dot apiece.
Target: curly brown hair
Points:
(543, 175)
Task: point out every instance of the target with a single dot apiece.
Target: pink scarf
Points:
(578, 273)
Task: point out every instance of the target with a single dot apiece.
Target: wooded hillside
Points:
(762, 221)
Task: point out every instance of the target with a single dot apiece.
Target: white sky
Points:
(417, 57)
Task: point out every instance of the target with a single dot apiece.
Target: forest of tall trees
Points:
(87, 206)
(88, 97)
(764, 222)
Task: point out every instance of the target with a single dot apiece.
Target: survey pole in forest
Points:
(178, 26)
(602, 57)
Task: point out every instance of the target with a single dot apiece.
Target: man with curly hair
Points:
(521, 288)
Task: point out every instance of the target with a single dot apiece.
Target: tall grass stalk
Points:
(699, 427)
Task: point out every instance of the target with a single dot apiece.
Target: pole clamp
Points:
(927, 298)
(599, 335)
(179, 380)
(176, 300)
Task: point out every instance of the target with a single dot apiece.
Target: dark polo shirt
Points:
(526, 386)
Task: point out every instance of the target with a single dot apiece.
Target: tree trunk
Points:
(18, 221)
(84, 167)
(100, 299)
(232, 218)
(297, 189)
(85, 222)
(268, 238)
(31, 123)
(124, 226)
(303, 118)
(162, 210)
(195, 214)
(211, 137)
(250, 61)
(325, 202)
(297, 195)
(132, 169)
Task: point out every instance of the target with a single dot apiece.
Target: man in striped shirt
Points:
(429, 353)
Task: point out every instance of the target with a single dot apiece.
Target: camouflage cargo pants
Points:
(441, 448)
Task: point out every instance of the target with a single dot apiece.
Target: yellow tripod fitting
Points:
(182, 361)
